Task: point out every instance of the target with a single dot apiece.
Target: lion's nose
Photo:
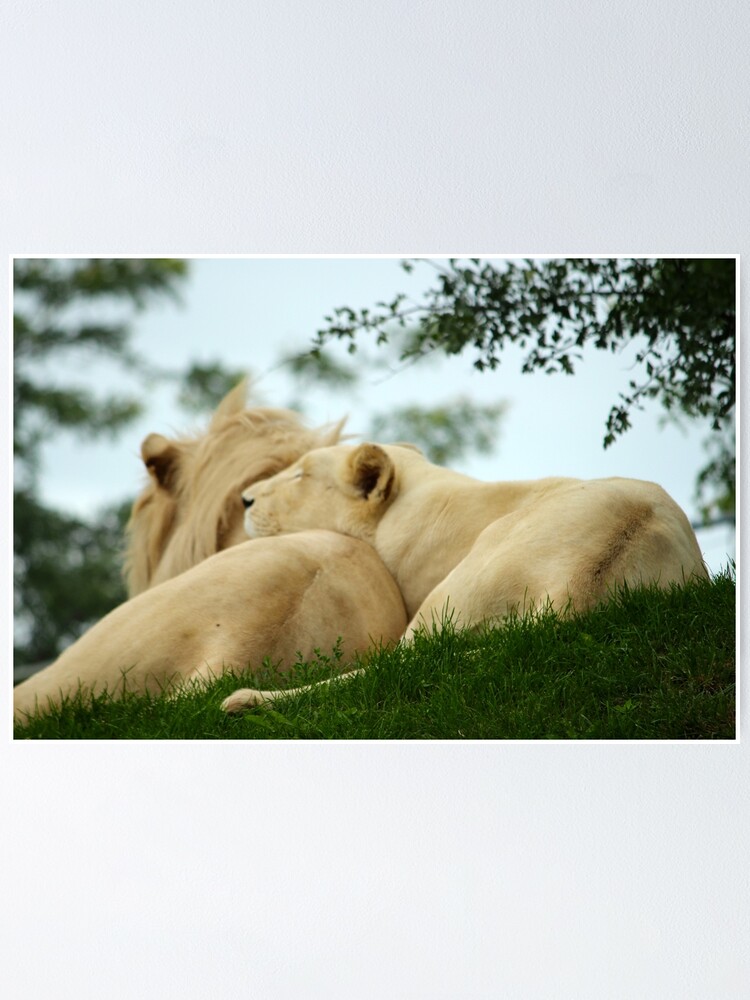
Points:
(247, 502)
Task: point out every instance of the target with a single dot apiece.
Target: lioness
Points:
(195, 607)
(476, 550)
(481, 550)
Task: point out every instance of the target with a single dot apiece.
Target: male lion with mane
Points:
(203, 597)
(481, 551)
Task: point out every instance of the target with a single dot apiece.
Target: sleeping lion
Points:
(479, 551)
(203, 597)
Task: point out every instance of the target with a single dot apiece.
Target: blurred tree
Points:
(67, 574)
(67, 571)
(204, 386)
(446, 432)
(678, 313)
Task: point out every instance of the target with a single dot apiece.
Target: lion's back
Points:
(574, 544)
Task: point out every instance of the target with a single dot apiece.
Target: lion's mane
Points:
(191, 506)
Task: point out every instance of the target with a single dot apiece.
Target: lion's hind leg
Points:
(499, 576)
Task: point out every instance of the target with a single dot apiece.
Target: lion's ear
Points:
(372, 472)
(161, 457)
(235, 401)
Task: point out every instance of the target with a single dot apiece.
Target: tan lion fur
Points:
(191, 507)
(195, 608)
(477, 551)
(273, 597)
(482, 550)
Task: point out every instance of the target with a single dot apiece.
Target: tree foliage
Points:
(445, 432)
(204, 386)
(679, 314)
(66, 570)
(67, 574)
(52, 320)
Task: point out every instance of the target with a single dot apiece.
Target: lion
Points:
(275, 598)
(479, 551)
(191, 506)
(204, 597)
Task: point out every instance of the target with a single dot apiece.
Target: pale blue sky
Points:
(246, 313)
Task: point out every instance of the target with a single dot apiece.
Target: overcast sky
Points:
(247, 313)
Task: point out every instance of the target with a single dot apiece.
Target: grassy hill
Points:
(648, 665)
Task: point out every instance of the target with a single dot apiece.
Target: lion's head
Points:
(191, 506)
(345, 488)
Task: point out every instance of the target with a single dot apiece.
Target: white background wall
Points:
(359, 870)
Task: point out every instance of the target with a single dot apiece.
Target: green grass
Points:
(649, 665)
